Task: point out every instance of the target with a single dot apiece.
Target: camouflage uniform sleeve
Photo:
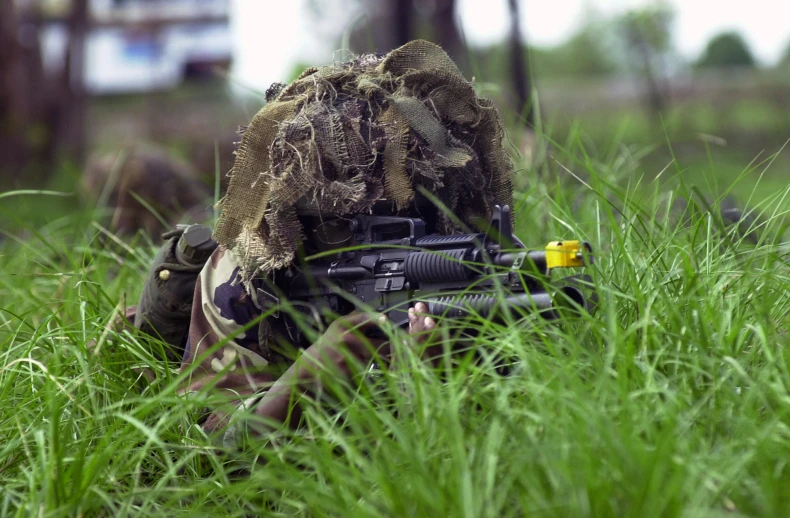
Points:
(219, 352)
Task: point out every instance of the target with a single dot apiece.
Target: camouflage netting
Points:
(343, 136)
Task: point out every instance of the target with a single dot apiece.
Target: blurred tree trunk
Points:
(648, 38)
(403, 18)
(519, 69)
(14, 102)
(655, 96)
(389, 24)
(446, 31)
(524, 104)
(72, 130)
(10, 60)
(41, 118)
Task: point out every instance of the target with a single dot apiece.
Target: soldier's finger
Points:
(412, 319)
(421, 308)
(429, 324)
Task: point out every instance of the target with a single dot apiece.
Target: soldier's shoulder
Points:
(221, 268)
(222, 276)
(221, 261)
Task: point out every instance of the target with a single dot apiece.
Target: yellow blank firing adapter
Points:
(567, 254)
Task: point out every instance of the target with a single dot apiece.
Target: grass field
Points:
(671, 400)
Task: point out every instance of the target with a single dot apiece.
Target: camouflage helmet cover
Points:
(348, 135)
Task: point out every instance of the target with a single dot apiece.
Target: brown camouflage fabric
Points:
(228, 358)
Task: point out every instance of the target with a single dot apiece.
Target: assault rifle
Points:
(397, 265)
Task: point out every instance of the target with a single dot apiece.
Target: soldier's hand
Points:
(345, 338)
(420, 322)
(421, 329)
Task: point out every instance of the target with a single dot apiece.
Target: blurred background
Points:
(134, 105)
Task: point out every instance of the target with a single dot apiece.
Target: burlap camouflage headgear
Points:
(349, 134)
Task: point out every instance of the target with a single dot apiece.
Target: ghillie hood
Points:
(342, 137)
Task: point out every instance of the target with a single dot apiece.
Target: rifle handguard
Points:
(455, 306)
(485, 305)
(444, 266)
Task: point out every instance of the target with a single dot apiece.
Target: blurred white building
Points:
(142, 45)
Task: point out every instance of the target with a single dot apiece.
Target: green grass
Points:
(671, 400)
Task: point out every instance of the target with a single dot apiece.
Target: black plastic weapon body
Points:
(397, 265)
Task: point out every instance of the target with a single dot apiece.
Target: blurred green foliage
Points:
(725, 50)
(588, 53)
